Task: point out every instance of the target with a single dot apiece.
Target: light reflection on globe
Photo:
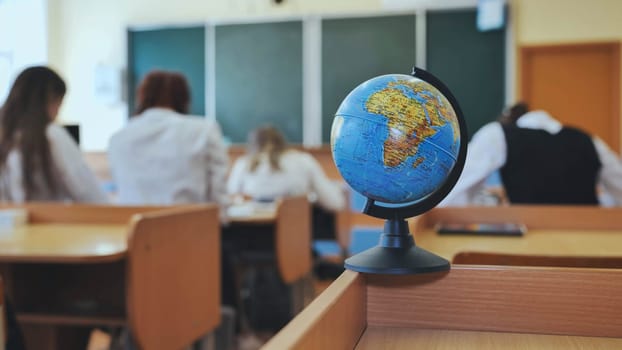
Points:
(395, 139)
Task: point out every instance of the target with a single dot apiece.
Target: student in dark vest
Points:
(541, 161)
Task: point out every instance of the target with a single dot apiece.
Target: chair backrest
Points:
(293, 237)
(333, 225)
(3, 317)
(476, 258)
(343, 221)
(173, 276)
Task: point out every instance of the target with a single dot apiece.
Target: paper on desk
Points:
(250, 209)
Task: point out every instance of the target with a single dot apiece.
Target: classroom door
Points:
(579, 84)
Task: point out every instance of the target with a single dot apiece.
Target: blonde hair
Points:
(266, 140)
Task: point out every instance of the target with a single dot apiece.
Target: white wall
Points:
(85, 34)
(23, 38)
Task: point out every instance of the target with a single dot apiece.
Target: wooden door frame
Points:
(527, 52)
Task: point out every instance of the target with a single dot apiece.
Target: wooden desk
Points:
(287, 229)
(552, 230)
(63, 243)
(156, 271)
(465, 308)
(404, 338)
(290, 224)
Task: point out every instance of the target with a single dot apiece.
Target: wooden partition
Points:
(334, 320)
(467, 307)
(477, 258)
(293, 238)
(502, 299)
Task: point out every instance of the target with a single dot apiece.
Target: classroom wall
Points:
(87, 34)
(567, 21)
(26, 17)
(557, 21)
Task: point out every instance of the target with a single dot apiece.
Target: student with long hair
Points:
(164, 156)
(39, 161)
(271, 170)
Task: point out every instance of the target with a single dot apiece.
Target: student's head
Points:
(511, 114)
(266, 140)
(164, 90)
(33, 102)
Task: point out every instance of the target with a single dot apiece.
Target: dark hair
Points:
(511, 114)
(163, 89)
(266, 140)
(23, 121)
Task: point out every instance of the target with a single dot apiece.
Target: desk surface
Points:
(252, 213)
(63, 243)
(403, 338)
(254, 219)
(81, 243)
(539, 242)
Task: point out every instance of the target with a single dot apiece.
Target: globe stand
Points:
(396, 253)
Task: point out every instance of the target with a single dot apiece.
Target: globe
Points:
(395, 139)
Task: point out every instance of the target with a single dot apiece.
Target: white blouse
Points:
(77, 183)
(163, 158)
(299, 173)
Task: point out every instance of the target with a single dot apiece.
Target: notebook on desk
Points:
(481, 229)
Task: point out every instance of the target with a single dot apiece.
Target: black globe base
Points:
(396, 254)
(396, 261)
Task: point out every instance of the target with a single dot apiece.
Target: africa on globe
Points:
(395, 139)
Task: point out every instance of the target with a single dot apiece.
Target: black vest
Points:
(544, 168)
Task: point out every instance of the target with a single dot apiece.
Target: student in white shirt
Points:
(489, 151)
(271, 170)
(164, 156)
(39, 161)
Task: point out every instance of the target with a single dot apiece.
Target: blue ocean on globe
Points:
(395, 139)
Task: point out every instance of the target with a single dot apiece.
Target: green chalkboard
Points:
(469, 62)
(356, 49)
(178, 49)
(259, 78)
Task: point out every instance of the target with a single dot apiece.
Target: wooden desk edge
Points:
(534, 300)
(65, 259)
(533, 216)
(335, 319)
